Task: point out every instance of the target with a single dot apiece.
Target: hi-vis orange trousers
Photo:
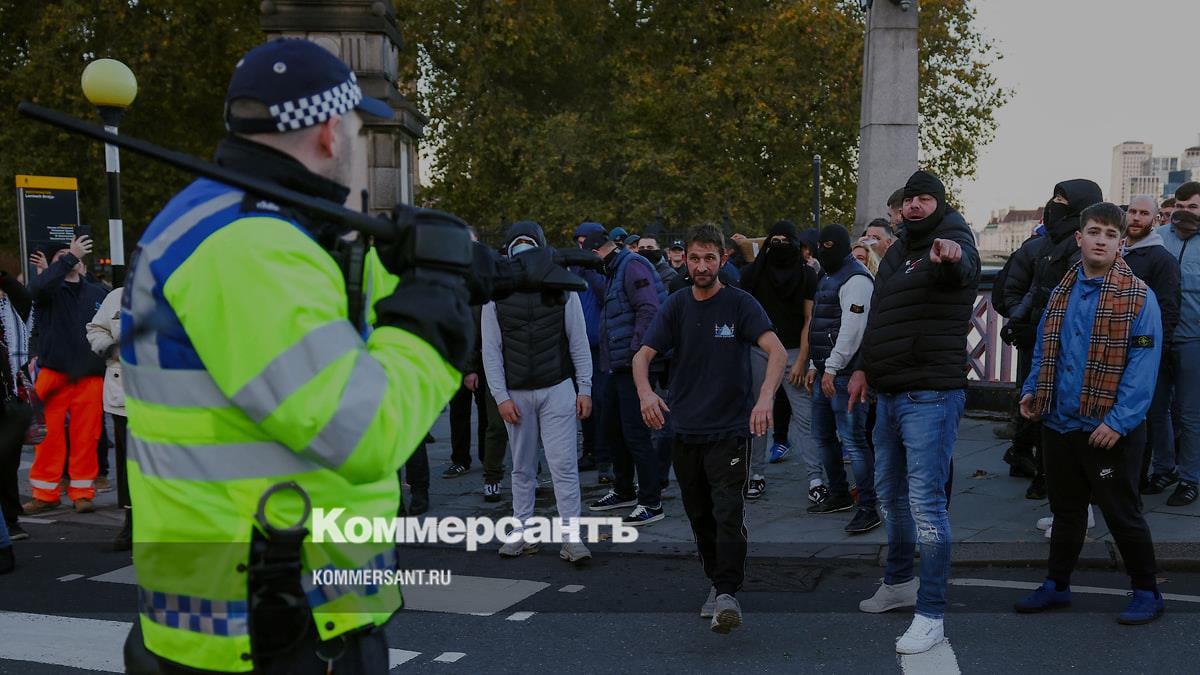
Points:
(83, 399)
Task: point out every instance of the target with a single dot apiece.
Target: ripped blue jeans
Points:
(914, 438)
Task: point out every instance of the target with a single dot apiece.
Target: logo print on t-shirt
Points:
(722, 331)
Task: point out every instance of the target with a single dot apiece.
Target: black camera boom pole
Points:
(380, 228)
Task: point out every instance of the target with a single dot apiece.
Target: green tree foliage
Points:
(181, 51)
(562, 110)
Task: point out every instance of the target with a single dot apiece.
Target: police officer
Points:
(243, 373)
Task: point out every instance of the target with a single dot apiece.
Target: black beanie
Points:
(925, 183)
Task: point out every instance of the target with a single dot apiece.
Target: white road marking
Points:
(937, 661)
(573, 588)
(124, 575)
(70, 577)
(36, 521)
(518, 616)
(478, 596)
(396, 657)
(449, 657)
(90, 644)
(1095, 590)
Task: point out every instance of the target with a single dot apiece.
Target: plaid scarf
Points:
(1121, 298)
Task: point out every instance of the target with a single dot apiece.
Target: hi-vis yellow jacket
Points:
(241, 370)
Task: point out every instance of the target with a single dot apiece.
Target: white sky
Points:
(1087, 75)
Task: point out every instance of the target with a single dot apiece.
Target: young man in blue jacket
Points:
(1095, 363)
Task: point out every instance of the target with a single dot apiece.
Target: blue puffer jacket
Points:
(619, 313)
(827, 312)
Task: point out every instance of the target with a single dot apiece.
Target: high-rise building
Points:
(1191, 158)
(1129, 160)
(1144, 185)
(1161, 167)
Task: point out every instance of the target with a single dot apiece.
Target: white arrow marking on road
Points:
(573, 588)
(449, 657)
(937, 661)
(36, 521)
(397, 657)
(124, 575)
(70, 577)
(1095, 590)
(90, 644)
(518, 616)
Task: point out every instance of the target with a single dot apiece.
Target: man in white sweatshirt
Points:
(539, 369)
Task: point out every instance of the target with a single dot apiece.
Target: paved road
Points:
(71, 601)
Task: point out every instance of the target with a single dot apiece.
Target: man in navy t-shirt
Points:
(710, 329)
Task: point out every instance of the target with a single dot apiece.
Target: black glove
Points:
(432, 305)
(1019, 334)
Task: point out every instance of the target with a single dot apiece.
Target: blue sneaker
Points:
(1143, 607)
(1044, 598)
(779, 451)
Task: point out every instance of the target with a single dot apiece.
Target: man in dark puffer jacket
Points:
(1038, 266)
(914, 355)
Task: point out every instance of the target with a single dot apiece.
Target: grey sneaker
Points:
(887, 597)
(727, 614)
(574, 552)
(710, 605)
(516, 548)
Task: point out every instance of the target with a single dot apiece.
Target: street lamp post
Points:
(111, 87)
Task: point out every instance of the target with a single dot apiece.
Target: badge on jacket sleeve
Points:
(1143, 341)
(857, 309)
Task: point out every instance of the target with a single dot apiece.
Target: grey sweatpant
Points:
(798, 432)
(548, 416)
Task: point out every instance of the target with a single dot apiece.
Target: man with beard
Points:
(1152, 263)
(1042, 262)
(1183, 357)
(714, 408)
(914, 356)
(784, 286)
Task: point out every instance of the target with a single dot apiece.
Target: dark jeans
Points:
(120, 423)
(361, 653)
(782, 414)
(711, 483)
(834, 429)
(1028, 433)
(495, 442)
(416, 469)
(12, 436)
(1076, 474)
(460, 423)
(592, 444)
(628, 439)
(102, 446)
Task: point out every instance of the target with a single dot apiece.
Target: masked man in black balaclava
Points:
(835, 335)
(1035, 270)
(914, 356)
(784, 286)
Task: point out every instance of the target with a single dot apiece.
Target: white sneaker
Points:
(517, 547)
(922, 635)
(710, 604)
(727, 615)
(887, 597)
(1046, 523)
(574, 551)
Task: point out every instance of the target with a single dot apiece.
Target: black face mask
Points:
(782, 254)
(1054, 213)
(833, 248)
(652, 254)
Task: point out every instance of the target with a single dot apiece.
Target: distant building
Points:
(1144, 185)
(1129, 159)
(1005, 231)
(1191, 158)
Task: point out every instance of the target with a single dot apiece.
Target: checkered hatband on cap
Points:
(309, 110)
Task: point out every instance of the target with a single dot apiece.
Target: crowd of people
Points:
(718, 357)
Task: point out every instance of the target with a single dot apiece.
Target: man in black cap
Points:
(915, 357)
(675, 257)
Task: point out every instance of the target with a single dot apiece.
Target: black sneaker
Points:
(491, 492)
(1037, 489)
(1185, 494)
(612, 501)
(755, 489)
(832, 504)
(16, 532)
(418, 502)
(864, 520)
(643, 515)
(455, 471)
(1159, 483)
(818, 493)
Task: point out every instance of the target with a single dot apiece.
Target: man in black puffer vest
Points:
(915, 357)
(1039, 265)
(533, 345)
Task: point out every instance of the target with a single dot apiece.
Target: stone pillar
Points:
(887, 153)
(366, 35)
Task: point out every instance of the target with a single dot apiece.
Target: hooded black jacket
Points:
(1051, 255)
(916, 335)
(782, 290)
